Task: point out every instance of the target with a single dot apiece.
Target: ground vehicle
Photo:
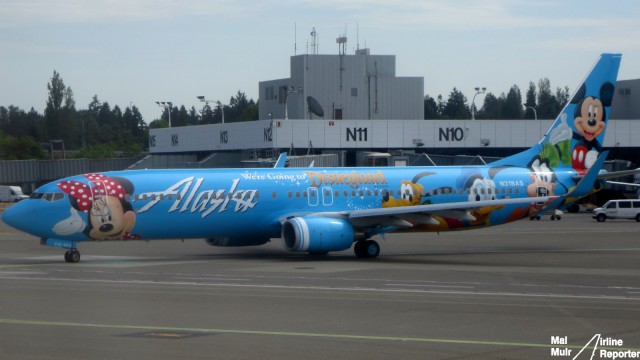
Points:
(555, 214)
(618, 209)
(11, 194)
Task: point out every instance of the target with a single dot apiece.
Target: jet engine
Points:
(237, 241)
(317, 235)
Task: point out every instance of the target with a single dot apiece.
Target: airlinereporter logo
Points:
(598, 347)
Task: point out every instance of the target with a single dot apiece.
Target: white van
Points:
(618, 209)
(11, 194)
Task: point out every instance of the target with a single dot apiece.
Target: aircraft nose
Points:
(19, 216)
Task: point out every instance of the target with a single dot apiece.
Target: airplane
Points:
(322, 210)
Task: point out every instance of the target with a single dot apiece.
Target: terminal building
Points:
(352, 105)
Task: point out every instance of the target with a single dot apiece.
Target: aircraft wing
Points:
(623, 183)
(617, 174)
(406, 216)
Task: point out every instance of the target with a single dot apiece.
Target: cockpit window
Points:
(53, 196)
(36, 196)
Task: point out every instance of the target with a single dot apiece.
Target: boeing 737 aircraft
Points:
(320, 210)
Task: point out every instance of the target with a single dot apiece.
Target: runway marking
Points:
(163, 329)
(330, 288)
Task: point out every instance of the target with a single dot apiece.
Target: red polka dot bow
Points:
(86, 195)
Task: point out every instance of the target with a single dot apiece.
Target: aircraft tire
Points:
(367, 249)
(72, 256)
(373, 249)
(360, 249)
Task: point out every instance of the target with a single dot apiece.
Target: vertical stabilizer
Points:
(575, 138)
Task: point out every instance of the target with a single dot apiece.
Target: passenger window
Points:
(290, 194)
(636, 204)
(625, 204)
(274, 195)
(611, 206)
(297, 194)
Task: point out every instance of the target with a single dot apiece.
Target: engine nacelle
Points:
(236, 241)
(317, 234)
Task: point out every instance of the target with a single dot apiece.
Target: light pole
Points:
(473, 102)
(167, 105)
(535, 114)
(206, 102)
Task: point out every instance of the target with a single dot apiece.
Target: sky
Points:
(137, 52)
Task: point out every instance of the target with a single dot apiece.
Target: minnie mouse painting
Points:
(106, 202)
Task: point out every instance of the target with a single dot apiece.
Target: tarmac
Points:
(526, 290)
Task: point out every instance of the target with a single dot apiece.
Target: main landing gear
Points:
(72, 256)
(366, 249)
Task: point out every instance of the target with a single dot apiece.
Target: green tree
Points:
(60, 110)
(456, 106)
(513, 104)
(430, 108)
(206, 115)
(530, 102)
(547, 103)
(22, 148)
(491, 108)
(562, 97)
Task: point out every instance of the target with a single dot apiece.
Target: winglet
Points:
(282, 159)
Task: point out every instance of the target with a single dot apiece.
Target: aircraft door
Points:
(327, 196)
(313, 196)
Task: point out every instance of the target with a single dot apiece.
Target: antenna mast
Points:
(314, 41)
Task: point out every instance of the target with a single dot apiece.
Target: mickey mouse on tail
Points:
(589, 121)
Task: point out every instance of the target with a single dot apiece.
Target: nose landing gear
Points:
(72, 256)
